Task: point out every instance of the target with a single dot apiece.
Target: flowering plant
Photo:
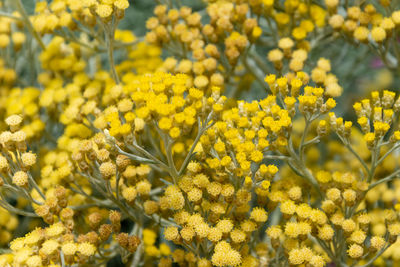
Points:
(221, 137)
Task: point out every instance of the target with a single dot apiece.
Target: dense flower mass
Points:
(203, 133)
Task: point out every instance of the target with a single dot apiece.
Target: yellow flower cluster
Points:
(52, 244)
(211, 48)
(367, 24)
(58, 14)
(159, 150)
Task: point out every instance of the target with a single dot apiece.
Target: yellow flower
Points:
(104, 10)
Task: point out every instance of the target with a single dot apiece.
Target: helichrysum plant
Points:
(212, 133)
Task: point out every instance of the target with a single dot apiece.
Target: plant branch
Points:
(28, 23)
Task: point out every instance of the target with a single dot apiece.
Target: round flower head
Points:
(364, 218)
(104, 11)
(5, 137)
(121, 4)
(358, 237)
(28, 159)
(225, 225)
(295, 193)
(34, 261)
(317, 261)
(349, 195)
(14, 121)
(355, 251)
(259, 215)
(361, 33)
(274, 232)
(296, 256)
(377, 242)
(202, 230)
(171, 233)
(326, 232)
(20, 178)
(292, 229)
(285, 43)
(224, 255)
(107, 169)
(238, 236)
(129, 193)
(69, 248)
(143, 187)
(394, 229)
(275, 55)
(34, 237)
(19, 136)
(378, 34)
(195, 195)
(49, 246)
(187, 233)
(333, 194)
(288, 207)
(17, 244)
(3, 163)
(331, 4)
(214, 235)
(336, 21)
(55, 230)
(349, 225)
(86, 249)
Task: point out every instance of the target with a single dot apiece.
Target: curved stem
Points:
(351, 149)
(10, 208)
(393, 148)
(28, 23)
(303, 138)
(109, 30)
(171, 164)
(300, 168)
(110, 48)
(384, 180)
(202, 129)
(371, 261)
(36, 186)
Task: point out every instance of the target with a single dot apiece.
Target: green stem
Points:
(371, 261)
(251, 67)
(28, 23)
(149, 160)
(303, 138)
(36, 186)
(110, 46)
(62, 259)
(73, 39)
(118, 203)
(350, 148)
(393, 148)
(384, 180)
(202, 129)
(300, 168)
(10, 208)
(374, 160)
(275, 157)
(327, 250)
(171, 164)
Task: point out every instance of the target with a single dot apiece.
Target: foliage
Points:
(202, 133)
